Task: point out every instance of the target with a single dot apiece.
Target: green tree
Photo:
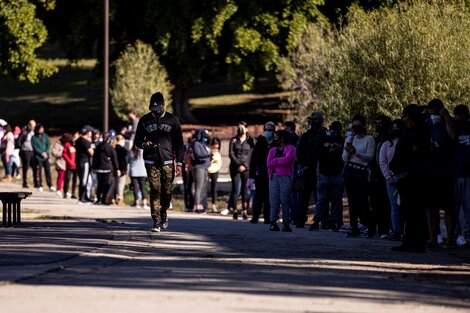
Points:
(138, 74)
(241, 38)
(21, 33)
(384, 59)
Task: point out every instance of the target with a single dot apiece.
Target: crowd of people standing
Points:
(95, 162)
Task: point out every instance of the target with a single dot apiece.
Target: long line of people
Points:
(95, 162)
(396, 182)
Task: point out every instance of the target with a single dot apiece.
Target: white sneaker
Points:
(69, 195)
(41, 189)
(214, 208)
(145, 207)
(440, 241)
(225, 212)
(156, 228)
(461, 241)
(171, 206)
(52, 188)
(59, 193)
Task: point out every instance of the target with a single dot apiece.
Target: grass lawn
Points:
(72, 98)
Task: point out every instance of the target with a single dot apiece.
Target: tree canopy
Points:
(21, 33)
(384, 59)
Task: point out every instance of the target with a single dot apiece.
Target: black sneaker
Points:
(235, 216)
(286, 228)
(274, 227)
(164, 218)
(314, 227)
(254, 221)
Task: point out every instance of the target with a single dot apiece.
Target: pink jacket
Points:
(283, 166)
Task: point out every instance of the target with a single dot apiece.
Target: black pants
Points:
(380, 208)
(261, 198)
(70, 174)
(27, 161)
(47, 171)
(104, 183)
(357, 190)
(413, 190)
(309, 182)
(213, 178)
(188, 181)
(138, 183)
(83, 171)
(236, 179)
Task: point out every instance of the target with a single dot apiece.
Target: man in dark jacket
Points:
(159, 134)
(307, 156)
(259, 173)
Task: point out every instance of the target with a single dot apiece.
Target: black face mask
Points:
(240, 132)
(380, 129)
(316, 124)
(358, 129)
(395, 133)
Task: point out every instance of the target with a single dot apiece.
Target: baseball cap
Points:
(316, 116)
(270, 126)
(156, 99)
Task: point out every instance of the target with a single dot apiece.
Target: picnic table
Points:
(12, 207)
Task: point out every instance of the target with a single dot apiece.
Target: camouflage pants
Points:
(161, 184)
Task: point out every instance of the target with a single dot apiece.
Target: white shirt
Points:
(365, 150)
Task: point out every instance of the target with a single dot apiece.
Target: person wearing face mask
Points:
(84, 152)
(259, 173)
(26, 152)
(239, 152)
(441, 174)
(410, 167)
(41, 147)
(119, 182)
(387, 150)
(159, 135)
(358, 153)
(461, 135)
(330, 186)
(307, 157)
(201, 161)
(379, 201)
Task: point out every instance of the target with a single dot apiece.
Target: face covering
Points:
(358, 129)
(395, 133)
(316, 124)
(268, 134)
(240, 132)
(435, 118)
(158, 110)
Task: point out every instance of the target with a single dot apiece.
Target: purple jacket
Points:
(283, 166)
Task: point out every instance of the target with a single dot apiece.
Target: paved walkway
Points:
(72, 258)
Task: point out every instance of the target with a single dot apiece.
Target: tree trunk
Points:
(180, 105)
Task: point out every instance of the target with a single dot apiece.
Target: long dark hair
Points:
(400, 125)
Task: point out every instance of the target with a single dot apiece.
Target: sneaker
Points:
(164, 222)
(59, 193)
(286, 228)
(245, 215)
(25, 186)
(145, 207)
(225, 212)
(52, 188)
(440, 240)
(461, 242)
(156, 227)
(41, 189)
(274, 227)
(80, 202)
(314, 227)
(235, 216)
(68, 195)
(214, 208)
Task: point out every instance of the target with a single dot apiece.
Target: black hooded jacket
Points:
(165, 132)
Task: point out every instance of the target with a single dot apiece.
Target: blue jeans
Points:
(397, 218)
(7, 165)
(329, 190)
(280, 194)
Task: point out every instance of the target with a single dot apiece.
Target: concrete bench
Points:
(11, 204)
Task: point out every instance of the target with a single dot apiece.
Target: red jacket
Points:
(69, 156)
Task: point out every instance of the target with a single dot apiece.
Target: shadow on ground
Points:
(220, 255)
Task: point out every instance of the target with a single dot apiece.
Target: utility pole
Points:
(106, 67)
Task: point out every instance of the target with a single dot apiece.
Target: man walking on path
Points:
(159, 134)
